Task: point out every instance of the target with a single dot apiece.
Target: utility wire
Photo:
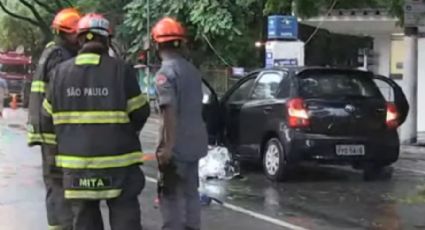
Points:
(321, 23)
(215, 51)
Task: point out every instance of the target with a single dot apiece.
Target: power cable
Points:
(321, 23)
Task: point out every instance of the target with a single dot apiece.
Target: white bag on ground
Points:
(218, 164)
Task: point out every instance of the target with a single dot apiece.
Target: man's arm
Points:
(48, 61)
(167, 99)
(137, 104)
(46, 119)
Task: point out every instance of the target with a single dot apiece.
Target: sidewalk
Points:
(414, 151)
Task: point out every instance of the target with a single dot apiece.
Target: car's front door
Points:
(231, 106)
(392, 92)
(211, 113)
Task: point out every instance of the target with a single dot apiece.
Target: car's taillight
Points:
(297, 113)
(392, 116)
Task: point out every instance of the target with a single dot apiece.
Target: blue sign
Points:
(282, 27)
(269, 59)
(286, 62)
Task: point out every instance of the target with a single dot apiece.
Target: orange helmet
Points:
(95, 23)
(167, 30)
(66, 20)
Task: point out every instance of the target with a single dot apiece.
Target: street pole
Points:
(147, 53)
(409, 129)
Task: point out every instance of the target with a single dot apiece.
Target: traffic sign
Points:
(414, 13)
(282, 27)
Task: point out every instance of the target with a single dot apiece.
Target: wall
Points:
(381, 47)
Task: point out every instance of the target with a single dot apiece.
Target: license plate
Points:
(350, 150)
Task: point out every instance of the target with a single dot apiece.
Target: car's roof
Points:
(299, 69)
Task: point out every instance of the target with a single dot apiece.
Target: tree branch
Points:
(17, 16)
(59, 4)
(45, 6)
(69, 3)
(42, 23)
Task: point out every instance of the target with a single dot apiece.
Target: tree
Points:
(37, 13)
(27, 35)
(226, 28)
(36, 16)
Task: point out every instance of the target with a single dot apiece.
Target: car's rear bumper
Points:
(381, 148)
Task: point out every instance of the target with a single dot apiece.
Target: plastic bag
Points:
(218, 164)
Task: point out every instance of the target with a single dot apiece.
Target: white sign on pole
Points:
(414, 13)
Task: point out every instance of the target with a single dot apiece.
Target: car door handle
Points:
(380, 110)
(268, 109)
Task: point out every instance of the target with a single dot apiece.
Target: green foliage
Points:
(27, 35)
(231, 26)
(221, 21)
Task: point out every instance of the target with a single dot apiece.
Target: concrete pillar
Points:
(408, 134)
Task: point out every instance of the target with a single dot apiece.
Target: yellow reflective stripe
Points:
(91, 117)
(54, 227)
(91, 194)
(87, 59)
(136, 103)
(47, 106)
(38, 87)
(48, 138)
(77, 162)
(50, 44)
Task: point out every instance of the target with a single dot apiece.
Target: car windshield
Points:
(17, 69)
(338, 84)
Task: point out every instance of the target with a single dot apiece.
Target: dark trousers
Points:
(179, 198)
(59, 214)
(124, 211)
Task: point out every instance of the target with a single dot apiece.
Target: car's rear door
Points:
(394, 94)
(342, 102)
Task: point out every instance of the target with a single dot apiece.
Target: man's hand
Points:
(164, 157)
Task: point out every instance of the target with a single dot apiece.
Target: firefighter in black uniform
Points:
(63, 48)
(95, 107)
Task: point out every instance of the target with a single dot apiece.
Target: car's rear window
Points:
(337, 84)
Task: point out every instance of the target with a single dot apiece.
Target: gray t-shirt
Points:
(179, 84)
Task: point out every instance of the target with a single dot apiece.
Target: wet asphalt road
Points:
(316, 198)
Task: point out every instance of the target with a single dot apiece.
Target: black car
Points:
(283, 117)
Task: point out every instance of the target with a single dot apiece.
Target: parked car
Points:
(283, 117)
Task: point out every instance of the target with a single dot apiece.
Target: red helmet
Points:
(94, 23)
(167, 30)
(66, 20)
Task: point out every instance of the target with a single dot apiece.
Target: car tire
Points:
(377, 172)
(275, 165)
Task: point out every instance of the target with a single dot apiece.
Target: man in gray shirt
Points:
(183, 135)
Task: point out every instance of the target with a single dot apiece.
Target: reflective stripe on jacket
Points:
(52, 55)
(96, 109)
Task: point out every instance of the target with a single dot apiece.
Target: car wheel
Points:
(274, 163)
(377, 172)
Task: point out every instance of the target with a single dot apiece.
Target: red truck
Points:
(15, 68)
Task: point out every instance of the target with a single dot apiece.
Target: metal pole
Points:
(410, 86)
(148, 52)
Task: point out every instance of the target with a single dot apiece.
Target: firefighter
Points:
(96, 109)
(183, 137)
(65, 46)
